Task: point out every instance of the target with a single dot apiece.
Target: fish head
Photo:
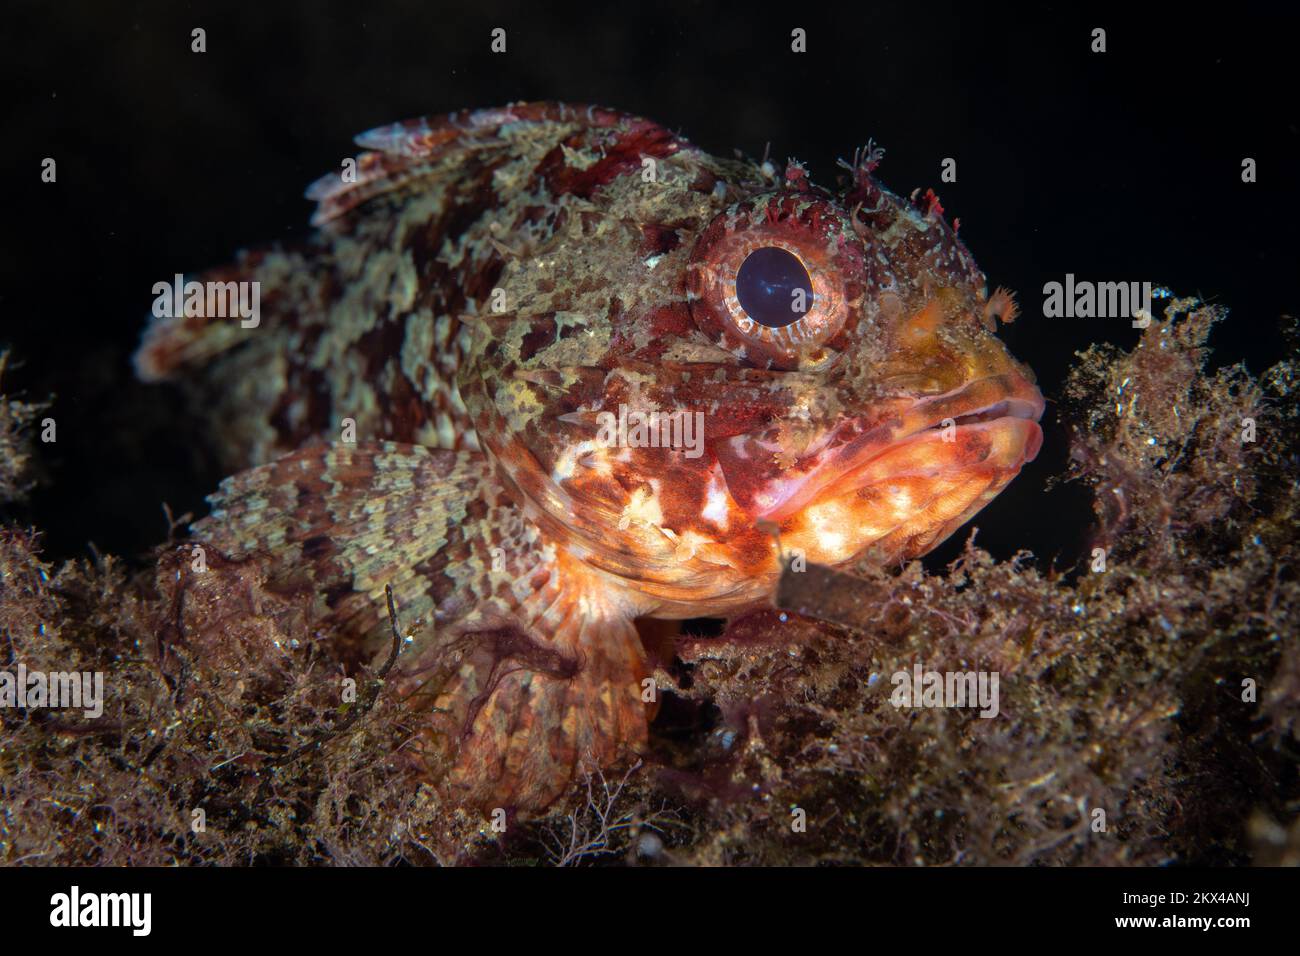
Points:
(905, 414)
(743, 370)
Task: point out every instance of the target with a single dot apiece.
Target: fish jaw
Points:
(907, 480)
(913, 495)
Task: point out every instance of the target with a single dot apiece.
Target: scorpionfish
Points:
(497, 302)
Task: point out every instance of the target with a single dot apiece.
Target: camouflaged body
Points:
(485, 287)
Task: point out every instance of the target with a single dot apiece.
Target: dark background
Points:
(1120, 166)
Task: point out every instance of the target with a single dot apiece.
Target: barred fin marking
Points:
(529, 711)
(538, 731)
(349, 520)
(407, 152)
(523, 714)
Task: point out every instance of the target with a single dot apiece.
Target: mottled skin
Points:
(477, 488)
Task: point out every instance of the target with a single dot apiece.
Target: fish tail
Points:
(251, 380)
(197, 319)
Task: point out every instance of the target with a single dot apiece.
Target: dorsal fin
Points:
(405, 152)
(363, 318)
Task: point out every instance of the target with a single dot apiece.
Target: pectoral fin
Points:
(526, 669)
(345, 520)
(529, 713)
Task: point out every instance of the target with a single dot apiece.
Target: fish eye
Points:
(773, 287)
(779, 280)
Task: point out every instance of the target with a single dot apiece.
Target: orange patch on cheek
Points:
(919, 330)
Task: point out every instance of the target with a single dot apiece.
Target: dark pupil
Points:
(766, 285)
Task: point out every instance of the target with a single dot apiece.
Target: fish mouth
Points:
(1007, 408)
(988, 426)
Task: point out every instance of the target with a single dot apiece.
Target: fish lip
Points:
(1007, 408)
(1013, 396)
(1015, 402)
(1001, 416)
(1016, 397)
